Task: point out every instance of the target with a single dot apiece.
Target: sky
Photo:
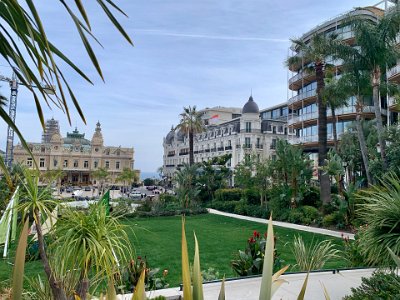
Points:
(186, 52)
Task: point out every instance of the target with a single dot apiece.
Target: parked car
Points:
(135, 195)
(157, 192)
(69, 190)
(150, 187)
(87, 189)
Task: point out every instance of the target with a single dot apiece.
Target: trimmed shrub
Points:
(295, 216)
(258, 211)
(329, 220)
(252, 196)
(227, 206)
(228, 194)
(311, 198)
(241, 208)
(310, 214)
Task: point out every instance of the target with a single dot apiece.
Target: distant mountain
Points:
(144, 175)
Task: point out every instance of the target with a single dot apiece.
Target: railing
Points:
(302, 96)
(393, 71)
(213, 149)
(299, 76)
(220, 148)
(207, 150)
(272, 146)
(259, 146)
(237, 146)
(183, 153)
(170, 154)
(247, 146)
(170, 166)
(228, 148)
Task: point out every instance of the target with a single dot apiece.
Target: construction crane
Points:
(14, 83)
(11, 112)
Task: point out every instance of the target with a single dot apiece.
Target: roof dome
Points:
(250, 107)
(180, 136)
(170, 137)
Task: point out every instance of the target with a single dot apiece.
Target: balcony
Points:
(207, 150)
(170, 166)
(259, 146)
(220, 148)
(302, 96)
(228, 148)
(213, 149)
(394, 74)
(247, 146)
(301, 79)
(183, 153)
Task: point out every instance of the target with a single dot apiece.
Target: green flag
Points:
(105, 200)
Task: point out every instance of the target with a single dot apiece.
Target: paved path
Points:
(338, 285)
(323, 231)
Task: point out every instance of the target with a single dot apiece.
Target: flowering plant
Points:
(251, 260)
(129, 276)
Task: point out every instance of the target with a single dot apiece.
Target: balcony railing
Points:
(220, 148)
(393, 71)
(171, 154)
(228, 148)
(247, 146)
(259, 146)
(302, 96)
(170, 166)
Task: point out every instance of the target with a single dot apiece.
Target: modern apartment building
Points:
(77, 156)
(235, 131)
(303, 111)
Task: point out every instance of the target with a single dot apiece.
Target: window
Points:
(41, 163)
(65, 165)
(96, 164)
(86, 164)
(280, 128)
(55, 162)
(43, 149)
(247, 142)
(117, 164)
(229, 143)
(258, 142)
(76, 163)
(29, 161)
(107, 164)
(248, 126)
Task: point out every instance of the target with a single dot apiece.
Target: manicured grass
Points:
(219, 239)
(159, 239)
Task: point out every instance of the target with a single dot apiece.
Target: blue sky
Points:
(186, 52)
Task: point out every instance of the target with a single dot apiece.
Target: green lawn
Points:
(219, 238)
(159, 239)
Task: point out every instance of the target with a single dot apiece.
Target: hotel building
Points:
(234, 131)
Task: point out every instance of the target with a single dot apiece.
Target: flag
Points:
(5, 223)
(15, 215)
(105, 200)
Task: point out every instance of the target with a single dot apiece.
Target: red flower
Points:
(251, 240)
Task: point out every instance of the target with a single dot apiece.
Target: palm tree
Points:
(101, 175)
(127, 176)
(27, 50)
(38, 201)
(190, 124)
(335, 94)
(316, 52)
(186, 180)
(376, 50)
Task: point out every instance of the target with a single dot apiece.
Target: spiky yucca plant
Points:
(313, 256)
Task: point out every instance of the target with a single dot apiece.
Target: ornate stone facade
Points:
(246, 131)
(77, 156)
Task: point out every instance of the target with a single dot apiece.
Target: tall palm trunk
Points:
(335, 139)
(361, 139)
(56, 289)
(191, 154)
(376, 81)
(325, 186)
